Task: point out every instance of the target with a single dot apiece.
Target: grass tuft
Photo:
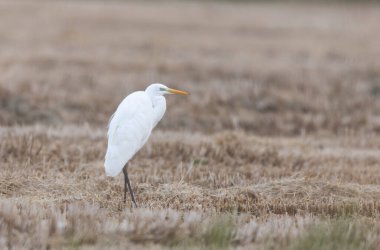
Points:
(337, 234)
(219, 232)
(215, 233)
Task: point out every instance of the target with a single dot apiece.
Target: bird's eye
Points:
(162, 89)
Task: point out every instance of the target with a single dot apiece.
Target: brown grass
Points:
(277, 144)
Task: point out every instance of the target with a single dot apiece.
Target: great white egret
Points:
(130, 127)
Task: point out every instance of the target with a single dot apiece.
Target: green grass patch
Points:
(217, 233)
(338, 234)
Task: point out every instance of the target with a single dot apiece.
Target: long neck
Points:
(159, 108)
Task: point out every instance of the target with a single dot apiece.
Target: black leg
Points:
(127, 183)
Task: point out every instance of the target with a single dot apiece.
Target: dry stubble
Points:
(279, 134)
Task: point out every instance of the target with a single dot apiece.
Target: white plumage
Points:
(132, 123)
(128, 130)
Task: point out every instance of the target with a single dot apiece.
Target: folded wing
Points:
(128, 130)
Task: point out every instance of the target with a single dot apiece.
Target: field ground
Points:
(277, 146)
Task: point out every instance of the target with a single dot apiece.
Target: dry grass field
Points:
(277, 147)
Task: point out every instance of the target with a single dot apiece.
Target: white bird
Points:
(130, 127)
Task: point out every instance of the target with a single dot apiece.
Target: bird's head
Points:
(158, 89)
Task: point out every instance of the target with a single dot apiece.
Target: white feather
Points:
(131, 125)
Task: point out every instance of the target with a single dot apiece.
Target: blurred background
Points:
(280, 132)
(267, 68)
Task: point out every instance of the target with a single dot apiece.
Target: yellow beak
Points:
(175, 91)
